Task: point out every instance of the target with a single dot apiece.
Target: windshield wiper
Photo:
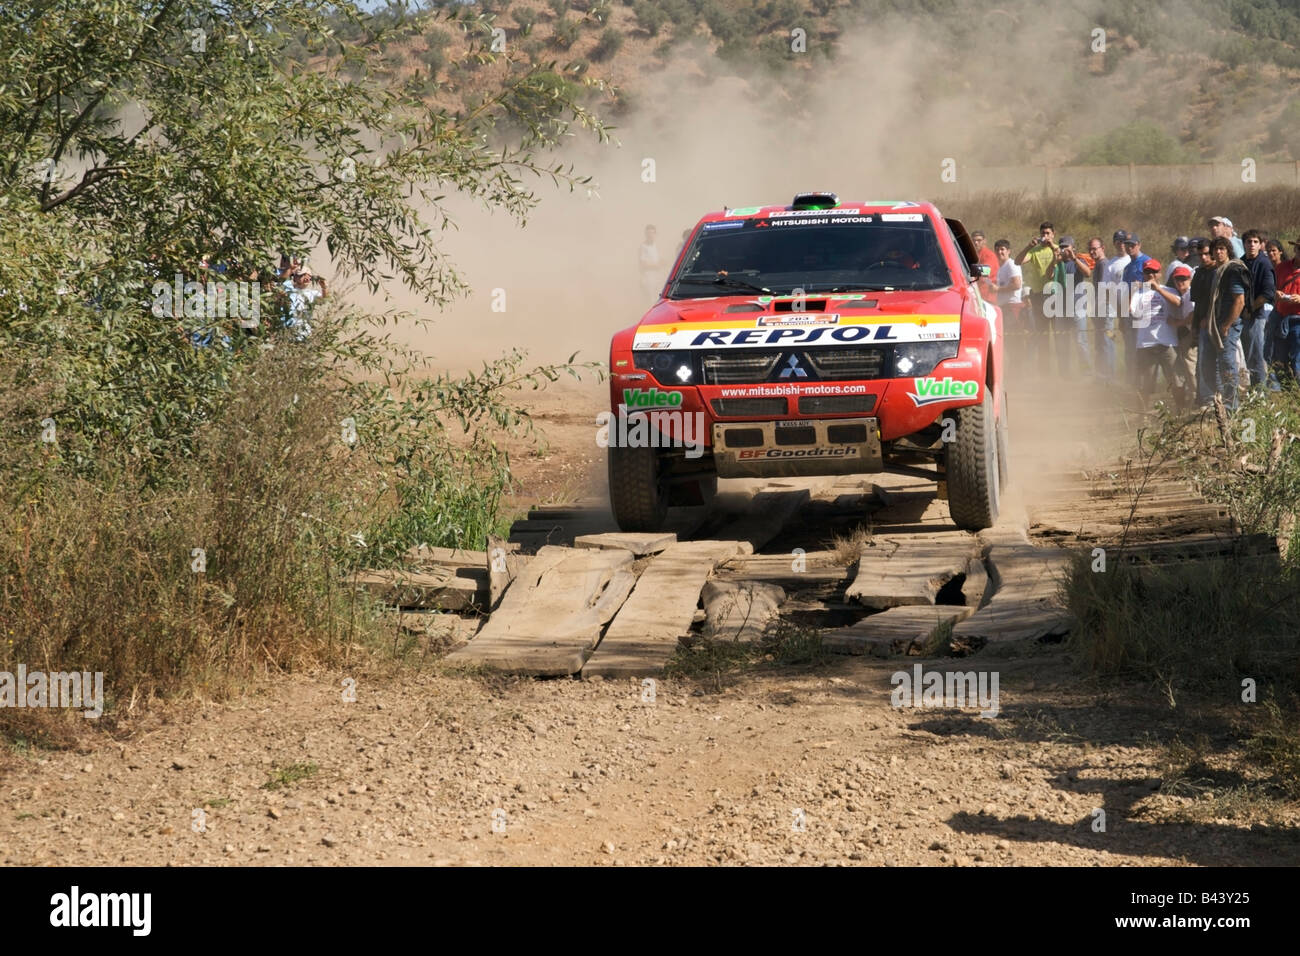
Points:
(732, 282)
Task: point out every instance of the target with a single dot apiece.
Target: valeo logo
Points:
(650, 398)
(927, 391)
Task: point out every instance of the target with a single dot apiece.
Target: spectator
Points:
(1200, 293)
(1179, 314)
(1038, 260)
(1227, 304)
(1010, 289)
(1102, 360)
(1156, 312)
(1182, 252)
(1072, 318)
(1132, 278)
(987, 257)
(1221, 226)
(1288, 312)
(648, 262)
(1109, 291)
(303, 294)
(1259, 306)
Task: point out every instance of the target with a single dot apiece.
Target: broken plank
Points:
(551, 617)
(909, 569)
(639, 544)
(899, 630)
(644, 633)
(1026, 605)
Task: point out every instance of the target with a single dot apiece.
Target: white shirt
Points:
(1006, 272)
(1114, 279)
(1148, 311)
(649, 257)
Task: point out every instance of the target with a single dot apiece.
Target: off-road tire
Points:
(637, 494)
(1004, 452)
(972, 467)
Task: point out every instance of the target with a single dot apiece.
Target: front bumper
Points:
(797, 448)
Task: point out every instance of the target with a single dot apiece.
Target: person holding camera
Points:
(1038, 261)
(1072, 331)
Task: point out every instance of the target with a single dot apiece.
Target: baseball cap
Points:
(1132, 237)
(1120, 235)
(1181, 272)
(1221, 220)
(1182, 242)
(1066, 241)
(1151, 265)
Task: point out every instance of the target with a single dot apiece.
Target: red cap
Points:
(1181, 272)
(1151, 265)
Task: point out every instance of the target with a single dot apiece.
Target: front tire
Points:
(637, 493)
(973, 469)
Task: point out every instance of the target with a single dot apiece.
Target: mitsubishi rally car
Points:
(818, 338)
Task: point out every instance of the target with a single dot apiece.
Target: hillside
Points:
(1113, 81)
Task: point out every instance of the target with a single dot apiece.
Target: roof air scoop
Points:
(824, 200)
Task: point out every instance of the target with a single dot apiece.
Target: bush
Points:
(609, 43)
(650, 16)
(1140, 142)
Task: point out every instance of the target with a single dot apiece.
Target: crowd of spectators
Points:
(1220, 316)
(294, 290)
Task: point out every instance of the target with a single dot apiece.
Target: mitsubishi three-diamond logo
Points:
(792, 368)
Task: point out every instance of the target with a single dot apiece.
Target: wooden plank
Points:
(976, 586)
(447, 557)
(909, 569)
(639, 544)
(899, 630)
(504, 565)
(1026, 605)
(551, 617)
(739, 611)
(792, 572)
(644, 633)
(441, 588)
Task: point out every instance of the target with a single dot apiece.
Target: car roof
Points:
(843, 207)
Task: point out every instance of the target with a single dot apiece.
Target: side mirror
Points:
(981, 271)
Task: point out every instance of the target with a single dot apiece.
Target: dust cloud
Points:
(874, 122)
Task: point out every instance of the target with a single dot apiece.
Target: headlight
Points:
(913, 359)
(669, 367)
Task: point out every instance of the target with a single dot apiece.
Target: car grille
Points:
(827, 364)
(749, 407)
(732, 368)
(836, 404)
(832, 364)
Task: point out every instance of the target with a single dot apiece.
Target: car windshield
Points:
(823, 252)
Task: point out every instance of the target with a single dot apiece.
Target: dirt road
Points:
(770, 764)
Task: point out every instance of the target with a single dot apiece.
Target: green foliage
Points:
(650, 16)
(183, 132)
(1141, 141)
(566, 33)
(611, 40)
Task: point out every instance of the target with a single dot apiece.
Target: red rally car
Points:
(818, 338)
